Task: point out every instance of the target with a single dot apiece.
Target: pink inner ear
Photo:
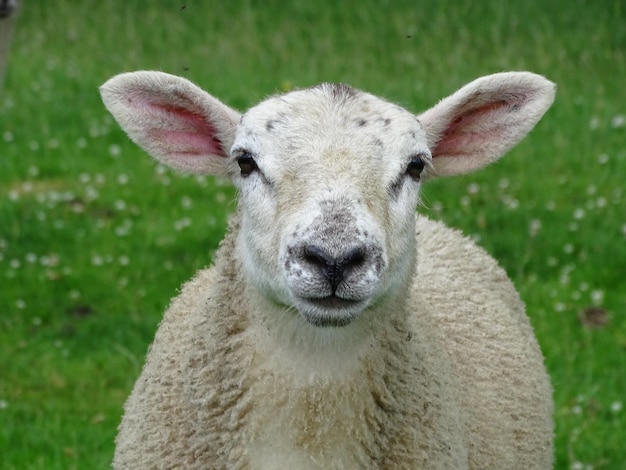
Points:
(193, 134)
(188, 143)
(477, 126)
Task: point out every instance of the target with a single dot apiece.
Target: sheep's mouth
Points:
(332, 302)
(331, 311)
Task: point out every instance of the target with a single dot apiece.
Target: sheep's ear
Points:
(479, 123)
(172, 119)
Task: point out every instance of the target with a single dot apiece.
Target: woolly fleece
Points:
(452, 378)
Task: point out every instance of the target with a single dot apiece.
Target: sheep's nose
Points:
(334, 268)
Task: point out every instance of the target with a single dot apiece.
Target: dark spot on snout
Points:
(360, 122)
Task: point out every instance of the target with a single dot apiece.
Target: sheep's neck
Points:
(272, 359)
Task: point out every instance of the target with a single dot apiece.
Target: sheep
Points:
(337, 328)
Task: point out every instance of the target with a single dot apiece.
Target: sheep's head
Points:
(329, 176)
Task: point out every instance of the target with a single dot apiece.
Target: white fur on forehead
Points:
(333, 97)
(331, 114)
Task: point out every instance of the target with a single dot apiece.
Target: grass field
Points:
(95, 237)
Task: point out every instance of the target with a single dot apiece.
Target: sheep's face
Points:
(329, 180)
(329, 177)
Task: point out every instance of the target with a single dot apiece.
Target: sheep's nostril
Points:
(316, 255)
(334, 269)
(353, 258)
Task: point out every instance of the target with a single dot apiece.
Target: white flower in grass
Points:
(182, 224)
(618, 121)
(81, 143)
(533, 227)
(91, 193)
(115, 150)
(473, 188)
(597, 296)
(616, 406)
(8, 136)
(122, 179)
(97, 260)
(122, 231)
(579, 214)
(4, 404)
(21, 304)
(603, 158)
(511, 203)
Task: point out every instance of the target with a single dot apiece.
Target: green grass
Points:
(95, 238)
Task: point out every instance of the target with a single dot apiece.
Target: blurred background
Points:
(95, 237)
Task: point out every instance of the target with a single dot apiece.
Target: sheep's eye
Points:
(415, 167)
(246, 164)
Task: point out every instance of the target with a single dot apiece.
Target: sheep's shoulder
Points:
(155, 427)
(462, 297)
